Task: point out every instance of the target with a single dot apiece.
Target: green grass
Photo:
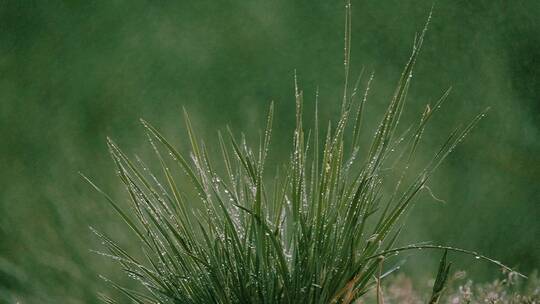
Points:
(219, 225)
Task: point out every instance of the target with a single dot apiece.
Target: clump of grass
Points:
(318, 232)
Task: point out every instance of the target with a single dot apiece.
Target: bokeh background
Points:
(74, 72)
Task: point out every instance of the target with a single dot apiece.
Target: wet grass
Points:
(218, 224)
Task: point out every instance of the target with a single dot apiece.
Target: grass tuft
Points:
(214, 229)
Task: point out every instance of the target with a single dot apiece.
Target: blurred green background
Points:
(74, 72)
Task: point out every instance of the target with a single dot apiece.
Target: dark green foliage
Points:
(440, 280)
